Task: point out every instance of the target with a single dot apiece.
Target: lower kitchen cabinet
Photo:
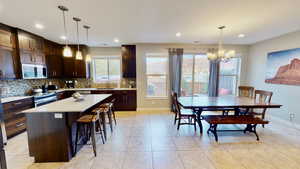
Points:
(15, 121)
(125, 99)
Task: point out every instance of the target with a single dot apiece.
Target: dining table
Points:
(229, 103)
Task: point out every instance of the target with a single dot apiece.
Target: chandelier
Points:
(221, 54)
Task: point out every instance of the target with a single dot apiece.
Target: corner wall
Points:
(287, 95)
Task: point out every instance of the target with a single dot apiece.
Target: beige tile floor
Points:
(151, 141)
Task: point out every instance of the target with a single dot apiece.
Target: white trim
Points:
(285, 122)
(157, 55)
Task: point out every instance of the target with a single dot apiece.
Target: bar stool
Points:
(100, 112)
(88, 122)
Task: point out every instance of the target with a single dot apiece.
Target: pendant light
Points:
(67, 52)
(88, 56)
(78, 55)
(221, 54)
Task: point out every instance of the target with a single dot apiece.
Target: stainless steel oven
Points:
(31, 71)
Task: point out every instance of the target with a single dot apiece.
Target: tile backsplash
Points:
(22, 87)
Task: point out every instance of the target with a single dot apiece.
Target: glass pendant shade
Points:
(88, 58)
(78, 55)
(67, 52)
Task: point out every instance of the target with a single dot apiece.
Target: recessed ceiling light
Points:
(116, 40)
(178, 34)
(39, 26)
(63, 37)
(241, 35)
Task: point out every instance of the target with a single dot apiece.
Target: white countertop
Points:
(89, 89)
(14, 98)
(70, 104)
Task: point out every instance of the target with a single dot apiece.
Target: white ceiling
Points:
(156, 21)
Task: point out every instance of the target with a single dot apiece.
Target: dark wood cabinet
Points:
(9, 64)
(125, 99)
(76, 68)
(31, 48)
(129, 61)
(7, 70)
(15, 121)
(53, 53)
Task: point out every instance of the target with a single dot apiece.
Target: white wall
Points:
(146, 103)
(287, 95)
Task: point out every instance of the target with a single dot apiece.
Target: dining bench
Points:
(250, 120)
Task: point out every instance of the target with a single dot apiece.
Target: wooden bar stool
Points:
(108, 108)
(101, 112)
(89, 124)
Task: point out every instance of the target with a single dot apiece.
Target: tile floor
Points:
(151, 141)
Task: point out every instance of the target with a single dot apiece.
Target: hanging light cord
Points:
(65, 28)
(77, 36)
(87, 35)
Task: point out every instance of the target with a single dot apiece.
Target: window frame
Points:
(107, 57)
(237, 75)
(193, 71)
(157, 55)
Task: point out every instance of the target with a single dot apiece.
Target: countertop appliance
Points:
(70, 83)
(30, 71)
(52, 87)
(2, 139)
(44, 98)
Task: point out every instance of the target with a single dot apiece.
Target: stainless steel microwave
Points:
(30, 71)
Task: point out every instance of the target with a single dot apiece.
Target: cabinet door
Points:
(39, 58)
(27, 57)
(69, 67)
(6, 64)
(26, 43)
(79, 68)
(129, 61)
(6, 39)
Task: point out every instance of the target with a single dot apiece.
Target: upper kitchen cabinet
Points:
(76, 68)
(53, 53)
(129, 61)
(8, 53)
(31, 48)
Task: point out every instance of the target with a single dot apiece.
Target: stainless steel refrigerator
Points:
(2, 135)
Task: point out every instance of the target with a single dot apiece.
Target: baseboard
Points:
(154, 109)
(285, 122)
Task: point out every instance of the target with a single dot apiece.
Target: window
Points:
(107, 69)
(157, 75)
(195, 75)
(229, 76)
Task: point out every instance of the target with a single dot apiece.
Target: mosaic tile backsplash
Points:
(22, 87)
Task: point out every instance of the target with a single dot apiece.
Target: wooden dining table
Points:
(234, 103)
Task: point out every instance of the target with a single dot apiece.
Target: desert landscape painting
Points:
(283, 67)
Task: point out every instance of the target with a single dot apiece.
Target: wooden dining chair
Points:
(246, 91)
(173, 105)
(184, 114)
(261, 96)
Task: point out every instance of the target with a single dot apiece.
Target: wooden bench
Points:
(249, 120)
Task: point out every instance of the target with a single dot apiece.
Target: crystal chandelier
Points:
(67, 52)
(221, 54)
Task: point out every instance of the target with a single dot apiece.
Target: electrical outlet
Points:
(292, 116)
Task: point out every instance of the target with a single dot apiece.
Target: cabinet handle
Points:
(20, 124)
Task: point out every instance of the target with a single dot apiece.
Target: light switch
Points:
(58, 115)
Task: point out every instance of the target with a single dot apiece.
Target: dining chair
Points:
(184, 114)
(173, 105)
(246, 91)
(261, 96)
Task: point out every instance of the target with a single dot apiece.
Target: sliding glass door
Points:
(195, 75)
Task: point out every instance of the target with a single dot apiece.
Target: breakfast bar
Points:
(52, 128)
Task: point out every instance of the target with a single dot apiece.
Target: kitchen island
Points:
(51, 128)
